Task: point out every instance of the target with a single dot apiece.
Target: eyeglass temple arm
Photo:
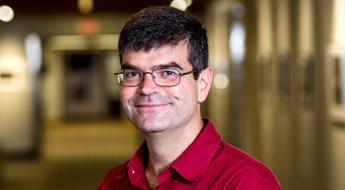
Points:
(186, 73)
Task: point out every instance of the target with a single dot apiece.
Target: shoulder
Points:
(244, 171)
(117, 173)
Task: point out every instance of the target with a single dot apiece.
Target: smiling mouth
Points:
(150, 107)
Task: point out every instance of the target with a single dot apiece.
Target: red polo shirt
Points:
(208, 163)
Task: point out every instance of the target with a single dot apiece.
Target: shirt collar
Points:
(136, 165)
(193, 162)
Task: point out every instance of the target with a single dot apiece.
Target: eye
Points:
(169, 73)
(131, 74)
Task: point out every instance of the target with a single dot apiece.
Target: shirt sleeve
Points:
(253, 179)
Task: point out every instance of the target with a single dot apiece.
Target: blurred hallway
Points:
(76, 155)
(278, 90)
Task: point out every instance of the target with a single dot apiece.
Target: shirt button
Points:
(133, 172)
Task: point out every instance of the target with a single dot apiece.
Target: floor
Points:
(74, 155)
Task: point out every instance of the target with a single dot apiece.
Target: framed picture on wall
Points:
(306, 80)
(335, 75)
(265, 78)
(283, 66)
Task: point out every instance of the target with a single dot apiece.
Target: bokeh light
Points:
(6, 13)
(221, 81)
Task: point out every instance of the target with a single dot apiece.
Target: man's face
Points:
(153, 108)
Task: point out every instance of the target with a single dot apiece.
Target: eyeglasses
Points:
(161, 77)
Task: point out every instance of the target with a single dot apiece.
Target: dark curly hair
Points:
(155, 27)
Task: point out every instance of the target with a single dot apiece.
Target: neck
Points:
(165, 147)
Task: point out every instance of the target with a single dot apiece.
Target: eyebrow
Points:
(161, 66)
(129, 66)
(169, 65)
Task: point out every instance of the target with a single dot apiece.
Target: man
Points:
(164, 78)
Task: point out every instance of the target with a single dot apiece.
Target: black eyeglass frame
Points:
(153, 77)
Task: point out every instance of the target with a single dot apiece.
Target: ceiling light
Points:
(85, 6)
(6, 13)
(181, 4)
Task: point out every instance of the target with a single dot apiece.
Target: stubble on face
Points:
(151, 113)
(153, 108)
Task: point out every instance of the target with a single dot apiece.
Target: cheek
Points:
(125, 95)
(122, 95)
(187, 94)
(127, 92)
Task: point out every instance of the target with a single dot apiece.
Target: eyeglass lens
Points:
(162, 77)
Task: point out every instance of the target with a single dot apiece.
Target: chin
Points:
(151, 126)
(150, 131)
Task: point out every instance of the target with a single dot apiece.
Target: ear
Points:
(204, 83)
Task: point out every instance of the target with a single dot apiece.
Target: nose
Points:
(148, 86)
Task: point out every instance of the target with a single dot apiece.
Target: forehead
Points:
(158, 56)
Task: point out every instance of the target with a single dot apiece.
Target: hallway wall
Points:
(280, 99)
